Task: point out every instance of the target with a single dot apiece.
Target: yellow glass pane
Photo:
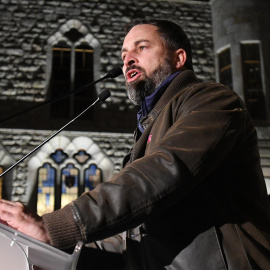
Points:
(46, 189)
(42, 207)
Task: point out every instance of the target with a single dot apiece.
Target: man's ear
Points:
(181, 58)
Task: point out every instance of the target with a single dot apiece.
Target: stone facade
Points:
(19, 143)
(25, 31)
(26, 27)
(238, 21)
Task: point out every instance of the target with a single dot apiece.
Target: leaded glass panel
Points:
(46, 189)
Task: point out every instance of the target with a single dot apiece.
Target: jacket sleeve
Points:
(187, 149)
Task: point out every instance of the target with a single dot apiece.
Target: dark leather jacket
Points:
(191, 195)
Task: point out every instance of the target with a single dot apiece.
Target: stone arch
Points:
(87, 37)
(69, 146)
(6, 160)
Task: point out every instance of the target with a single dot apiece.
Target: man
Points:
(191, 194)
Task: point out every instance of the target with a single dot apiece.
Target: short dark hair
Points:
(173, 35)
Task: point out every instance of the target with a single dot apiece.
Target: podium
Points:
(19, 251)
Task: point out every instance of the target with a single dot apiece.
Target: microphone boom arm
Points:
(101, 97)
(111, 74)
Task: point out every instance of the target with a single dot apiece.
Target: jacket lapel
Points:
(181, 81)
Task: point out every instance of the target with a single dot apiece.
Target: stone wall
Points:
(237, 21)
(19, 143)
(26, 26)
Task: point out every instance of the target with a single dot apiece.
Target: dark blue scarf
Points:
(148, 103)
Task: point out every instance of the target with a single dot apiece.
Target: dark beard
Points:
(138, 90)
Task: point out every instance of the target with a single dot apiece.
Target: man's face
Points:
(146, 61)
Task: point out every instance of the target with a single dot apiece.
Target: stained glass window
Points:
(92, 177)
(46, 189)
(60, 183)
(70, 184)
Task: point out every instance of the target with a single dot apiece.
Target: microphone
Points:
(104, 95)
(101, 97)
(113, 73)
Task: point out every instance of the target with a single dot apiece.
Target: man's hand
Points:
(19, 217)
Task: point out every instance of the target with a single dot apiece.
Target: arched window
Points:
(73, 50)
(55, 192)
(70, 188)
(60, 79)
(92, 177)
(63, 174)
(46, 177)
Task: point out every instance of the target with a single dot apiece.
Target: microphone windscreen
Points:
(115, 72)
(104, 95)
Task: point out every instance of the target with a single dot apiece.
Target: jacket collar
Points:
(181, 81)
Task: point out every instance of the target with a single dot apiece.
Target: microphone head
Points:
(115, 72)
(104, 95)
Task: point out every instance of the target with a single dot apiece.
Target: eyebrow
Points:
(136, 43)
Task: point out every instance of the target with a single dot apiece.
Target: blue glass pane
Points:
(47, 199)
(92, 177)
(59, 156)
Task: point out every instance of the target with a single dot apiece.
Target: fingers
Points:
(10, 208)
(11, 212)
(18, 216)
(8, 205)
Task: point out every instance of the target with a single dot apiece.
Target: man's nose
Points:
(130, 59)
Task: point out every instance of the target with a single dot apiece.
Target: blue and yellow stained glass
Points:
(69, 186)
(92, 177)
(46, 189)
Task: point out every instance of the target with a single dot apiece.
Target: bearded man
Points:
(191, 194)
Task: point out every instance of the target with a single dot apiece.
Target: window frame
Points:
(227, 67)
(255, 105)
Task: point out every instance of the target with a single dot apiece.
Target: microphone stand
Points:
(113, 73)
(101, 97)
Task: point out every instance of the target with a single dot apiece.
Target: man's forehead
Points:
(139, 33)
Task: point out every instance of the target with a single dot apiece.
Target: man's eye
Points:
(141, 48)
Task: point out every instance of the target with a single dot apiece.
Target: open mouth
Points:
(132, 75)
